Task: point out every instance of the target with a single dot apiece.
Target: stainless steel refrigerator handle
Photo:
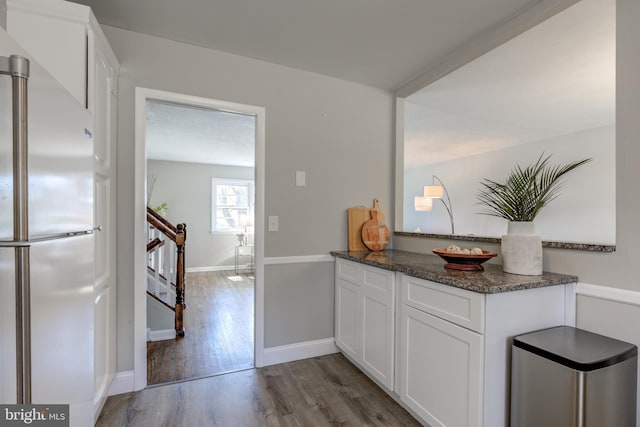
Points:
(18, 68)
(58, 236)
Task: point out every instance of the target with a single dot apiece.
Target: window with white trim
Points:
(232, 202)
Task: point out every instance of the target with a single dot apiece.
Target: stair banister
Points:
(163, 259)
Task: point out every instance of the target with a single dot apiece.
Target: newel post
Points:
(181, 235)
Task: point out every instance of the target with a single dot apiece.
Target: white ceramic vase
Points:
(522, 249)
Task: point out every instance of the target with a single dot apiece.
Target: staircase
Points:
(165, 265)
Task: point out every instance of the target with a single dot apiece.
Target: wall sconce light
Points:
(435, 191)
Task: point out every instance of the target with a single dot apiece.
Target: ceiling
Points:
(381, 43)
(556, 79)
(186, 134)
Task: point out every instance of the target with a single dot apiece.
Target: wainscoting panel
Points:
(611, 312)
(299, 299)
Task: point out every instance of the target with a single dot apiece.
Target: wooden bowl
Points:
(464, 262)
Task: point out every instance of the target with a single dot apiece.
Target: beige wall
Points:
(3, 14)
(339, 132)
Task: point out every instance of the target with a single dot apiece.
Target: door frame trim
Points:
(140, 173)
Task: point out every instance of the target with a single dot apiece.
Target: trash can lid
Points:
(576, 348)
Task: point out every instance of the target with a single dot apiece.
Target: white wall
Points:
(186, 188)
(584, 211)
(339, 132)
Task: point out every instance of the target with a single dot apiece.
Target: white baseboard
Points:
(161, 335)
(211, 268)
(298, 351)
(123, 382)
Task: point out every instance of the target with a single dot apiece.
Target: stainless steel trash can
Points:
(565, 376)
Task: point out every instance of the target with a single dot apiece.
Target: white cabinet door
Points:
(365, 318)
(347, 312)
(104, 104)
(378, 325)
(441, 370)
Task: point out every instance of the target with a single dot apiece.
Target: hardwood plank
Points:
(322, 391)
(219, 330)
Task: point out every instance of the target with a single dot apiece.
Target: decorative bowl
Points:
(464, 262)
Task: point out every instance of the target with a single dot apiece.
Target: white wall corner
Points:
(123, 382)
(299, 351)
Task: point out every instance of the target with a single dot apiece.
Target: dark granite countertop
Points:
(591, 247)
(431, 267)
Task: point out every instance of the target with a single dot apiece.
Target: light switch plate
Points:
(301, 179)
(273, 223)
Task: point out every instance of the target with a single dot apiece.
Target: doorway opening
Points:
(203, 174)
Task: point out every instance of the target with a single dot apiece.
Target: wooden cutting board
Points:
(356, 218)
(376, 206)
(375, 234)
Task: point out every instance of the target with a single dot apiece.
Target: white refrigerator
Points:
(46, 240)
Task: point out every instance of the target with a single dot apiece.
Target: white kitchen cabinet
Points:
(346, 323)
(67, 40)
(441, 370)
(448, 359)
(365, 318)
(455, 348)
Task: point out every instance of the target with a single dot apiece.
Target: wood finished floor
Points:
(322, 391)
(218, 330)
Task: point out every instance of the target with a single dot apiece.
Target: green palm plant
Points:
(525, 191)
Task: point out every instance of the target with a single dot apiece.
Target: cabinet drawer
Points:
(349, 271)
(464, 308)
(377, 279)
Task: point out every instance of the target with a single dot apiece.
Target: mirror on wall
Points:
(549, 90)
